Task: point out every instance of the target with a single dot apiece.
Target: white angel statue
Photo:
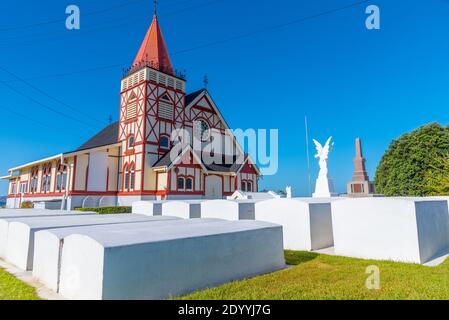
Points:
(323, 155)
(324, 186)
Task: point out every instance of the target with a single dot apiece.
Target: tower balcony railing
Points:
(155, 66)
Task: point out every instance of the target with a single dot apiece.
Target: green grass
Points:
(13, 289)
(107, 210)
(318, 277)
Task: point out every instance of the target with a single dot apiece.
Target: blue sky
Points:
(348, 80)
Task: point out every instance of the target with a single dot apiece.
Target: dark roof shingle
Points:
(107, 136)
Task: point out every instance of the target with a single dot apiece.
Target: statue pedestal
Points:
(324, 188)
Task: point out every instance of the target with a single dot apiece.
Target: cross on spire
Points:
(206, 81)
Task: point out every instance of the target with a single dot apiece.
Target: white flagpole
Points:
(308, 157)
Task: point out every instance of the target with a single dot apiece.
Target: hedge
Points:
(107, 210)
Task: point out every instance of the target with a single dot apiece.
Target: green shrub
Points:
(413, 163)
(27, 205)
(107, 210)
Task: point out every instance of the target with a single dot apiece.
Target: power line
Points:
(49, 96)
(48, 22)
(83, 32)
(45, 106)
(23, 116)
(275, 27)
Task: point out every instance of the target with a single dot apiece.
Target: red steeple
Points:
(153, 51)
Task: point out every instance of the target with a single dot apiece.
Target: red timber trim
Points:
(74, 173)
(37, 195)
(169, 180)
(93, 193)
(143, 193)
(87, 178)
(144, 136)
(107, 180)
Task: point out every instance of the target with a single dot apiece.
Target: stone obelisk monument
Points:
(360, 185)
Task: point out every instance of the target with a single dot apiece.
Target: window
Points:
(131, 110)
(132, 181)
(34, 179)
(243, 186)
(202, 130)
(165, 111)
(129, 179)
(126, 178)
(181, 184)
(189, 184)
(13, 188)
(249, 187)
(61, 177)
(164, 142)
(46, 178)
(131, 142)
(23, 187)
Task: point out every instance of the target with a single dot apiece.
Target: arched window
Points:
(181, 184)
(34, 179)
(132, 180)
(61, 177)
(46, 178)
(243, 186)
(126, 177)
(131, 141)
(249, 186)
(189, 184)
(164, 142)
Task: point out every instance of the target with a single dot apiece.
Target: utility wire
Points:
(49, 96)
(45, 106)
(44, 23)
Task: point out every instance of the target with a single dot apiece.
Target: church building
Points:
(133, 159)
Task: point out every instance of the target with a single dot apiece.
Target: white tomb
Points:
(187, 209)
(229, 210)
(398, 229)
(169, 261)
(20, 237)
(49, 245)
(148, 208)
(306, 222)
(12, 214)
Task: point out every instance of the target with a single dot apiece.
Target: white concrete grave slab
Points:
(49, 245)
(229, 209)
(306, 222)
(169, 261)
(20, 242)
(398, 229)
(148, 208)
(187, 209)
(8, 215)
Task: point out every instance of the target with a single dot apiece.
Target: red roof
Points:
(153, 50)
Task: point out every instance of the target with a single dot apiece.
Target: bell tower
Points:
(152, 102)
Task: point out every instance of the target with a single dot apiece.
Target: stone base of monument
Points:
(307, 223)
(182, 209)
(169, 261)
(49, 245)
(148, 208)
(397, 229)
(229, 209)
(324, 188)
(20, 238)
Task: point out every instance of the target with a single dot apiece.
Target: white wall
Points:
(98, 166)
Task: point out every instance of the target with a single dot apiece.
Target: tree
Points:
(413, 165)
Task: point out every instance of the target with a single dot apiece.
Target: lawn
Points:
(315, 276)
(13, 289)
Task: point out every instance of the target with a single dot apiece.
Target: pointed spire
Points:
(360, 173)
(153, 50)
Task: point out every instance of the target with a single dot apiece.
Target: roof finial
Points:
(155, 7)
(206, 81)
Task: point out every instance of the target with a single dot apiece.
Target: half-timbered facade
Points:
(134, 159)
